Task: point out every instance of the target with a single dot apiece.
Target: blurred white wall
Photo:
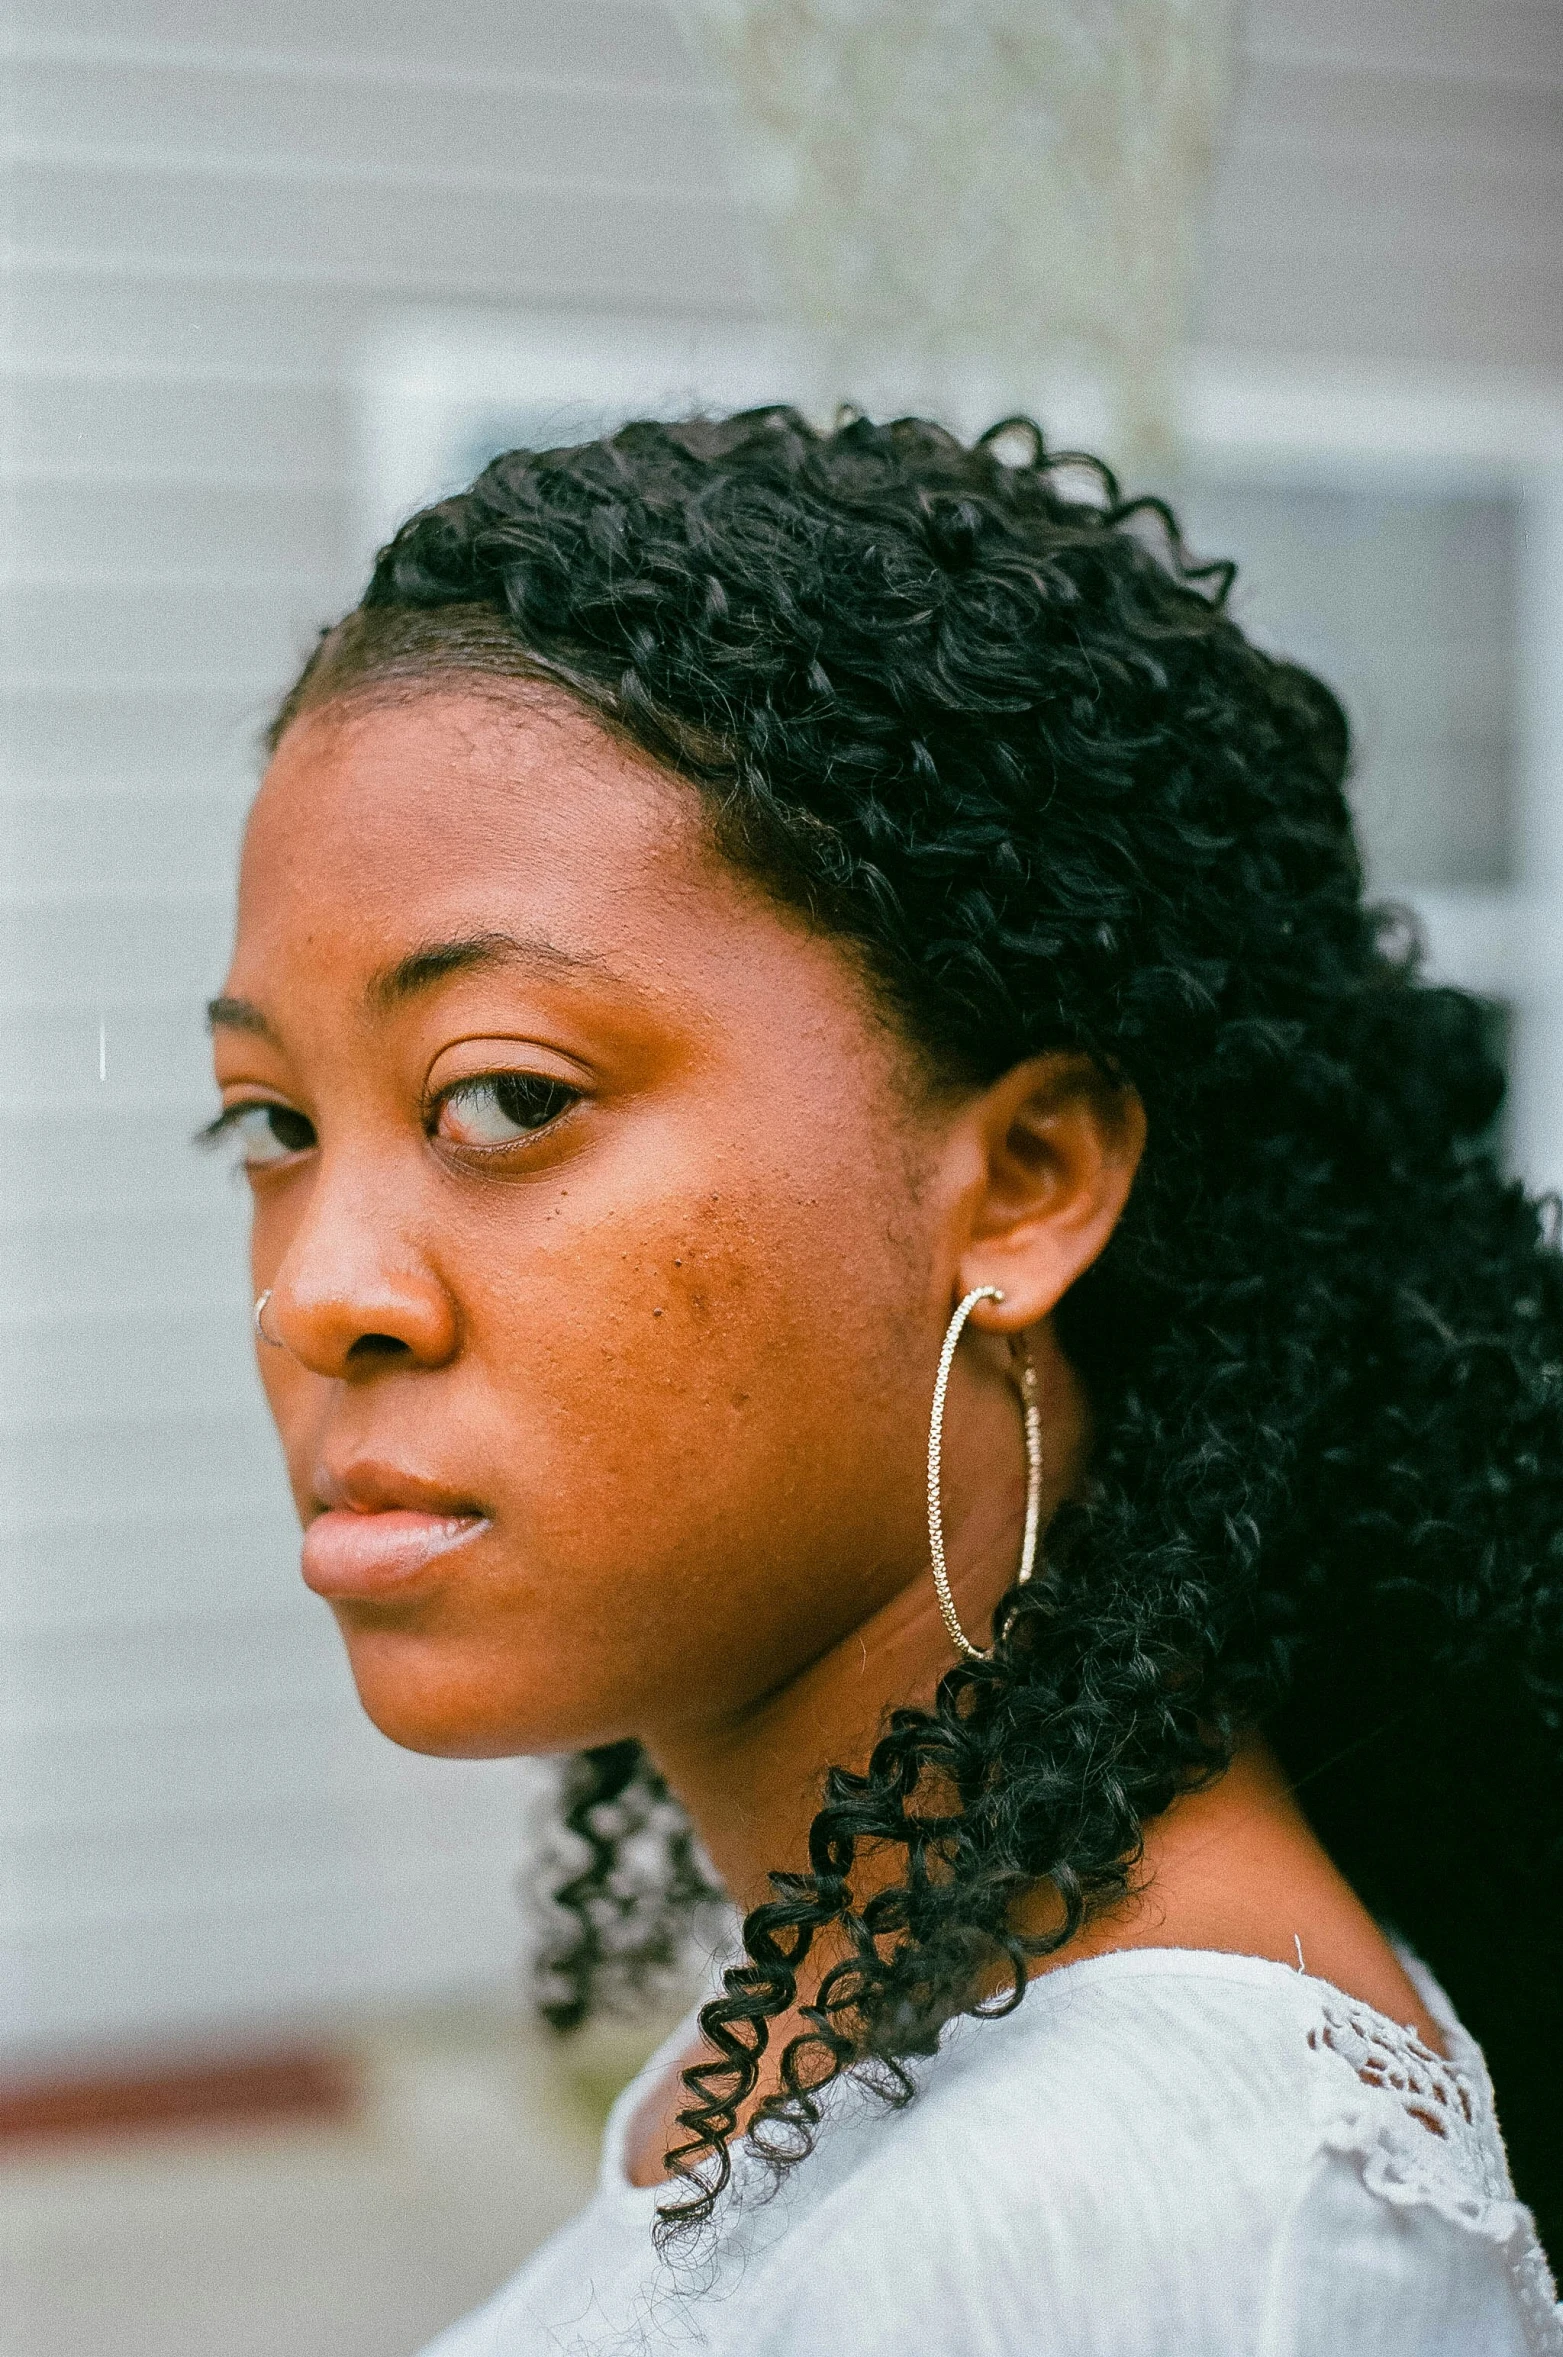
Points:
(212, 211)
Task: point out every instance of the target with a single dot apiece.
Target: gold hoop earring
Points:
(1031, 1418)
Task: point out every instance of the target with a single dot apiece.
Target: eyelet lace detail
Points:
(1463, 2171)
(1423, 2132)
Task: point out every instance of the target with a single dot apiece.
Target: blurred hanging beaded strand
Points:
(988, 188)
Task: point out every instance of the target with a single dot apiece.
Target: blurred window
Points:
(1404, 600)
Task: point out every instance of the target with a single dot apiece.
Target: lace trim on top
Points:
(1424, 2133)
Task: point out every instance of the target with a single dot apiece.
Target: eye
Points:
(496, 1108)
(264, 1133)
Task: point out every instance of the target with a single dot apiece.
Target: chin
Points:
(422, 1700)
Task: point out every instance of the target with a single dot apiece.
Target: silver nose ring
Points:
(260, 1322)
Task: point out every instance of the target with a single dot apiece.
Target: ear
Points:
(1049, 1154)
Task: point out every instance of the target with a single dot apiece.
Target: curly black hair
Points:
(983, 718)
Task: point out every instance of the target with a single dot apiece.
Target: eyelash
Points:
(532, 1093)
(526, 1087)
(230, 1117)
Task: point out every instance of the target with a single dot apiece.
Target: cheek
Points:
(706, 1430)
(710, 1417)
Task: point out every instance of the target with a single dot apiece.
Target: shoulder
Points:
(1164, 2146)
(1399, 2269)
(1406, 2225)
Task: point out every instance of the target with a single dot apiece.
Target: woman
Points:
(854, 1223)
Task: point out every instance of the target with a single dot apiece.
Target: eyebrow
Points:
(239, 1014)
(422, 968)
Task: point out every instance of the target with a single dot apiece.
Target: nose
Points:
(354, 1292)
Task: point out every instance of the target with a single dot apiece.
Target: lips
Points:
(348, 1554)
(379, 1528)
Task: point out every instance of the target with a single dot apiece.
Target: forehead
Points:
(394, 813)
(460, 812)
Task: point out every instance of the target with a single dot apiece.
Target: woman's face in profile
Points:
(595, 1202)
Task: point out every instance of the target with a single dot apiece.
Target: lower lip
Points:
(348, 1554)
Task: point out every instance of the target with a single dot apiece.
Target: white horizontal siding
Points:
(150, 1464)
(227, 428)
(1392, 184)
(71, 1264)
(1405, 602)
(163, 629)
(1356, 110)
(108, 734)
(334, 1929)
(131, 839)
(96, 321)
(295, 119)
(1486, 43)
(606, 43)
(42, 1161)
(103, 531)
(85, 947)
(393, 231)
(206, 1562)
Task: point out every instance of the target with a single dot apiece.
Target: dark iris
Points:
(291, 1131)
(529, 1101)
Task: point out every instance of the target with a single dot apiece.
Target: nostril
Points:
(378, 1346)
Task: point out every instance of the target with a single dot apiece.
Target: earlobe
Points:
(1059, 1145)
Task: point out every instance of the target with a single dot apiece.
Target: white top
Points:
(1159, 2150)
